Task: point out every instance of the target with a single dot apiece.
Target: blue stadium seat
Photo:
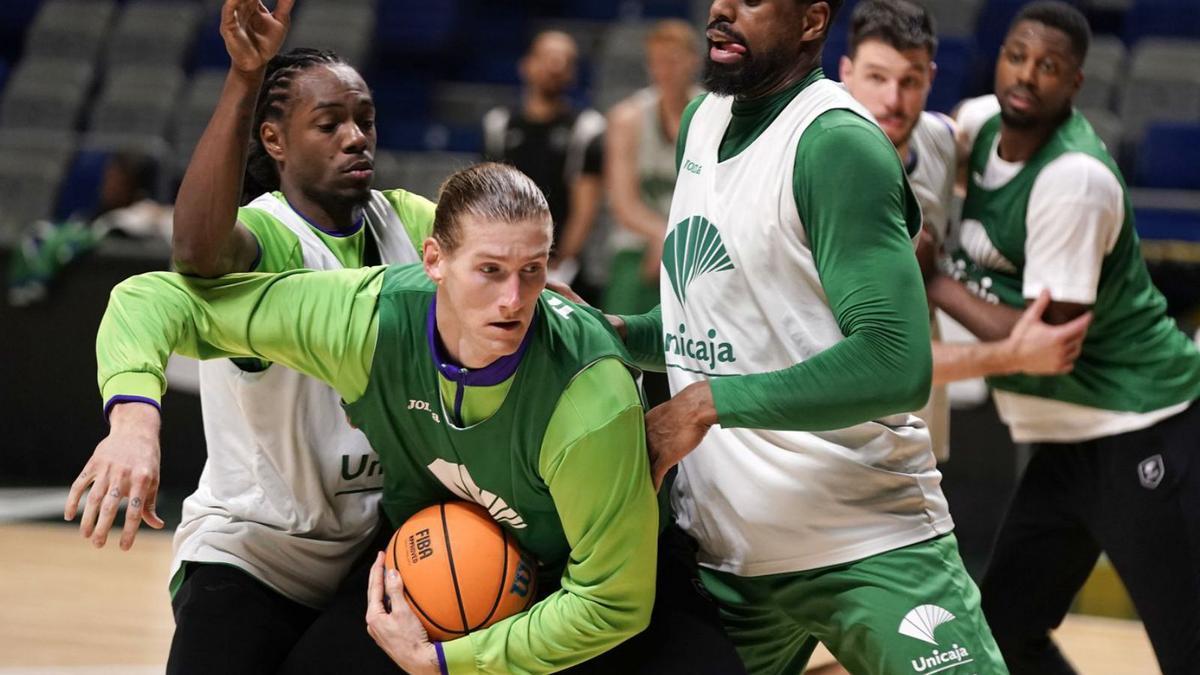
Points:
(209, 50)
(1169, 156)
(401, 133)
(662, 9)
(835, 48)
(955, 61)
(80, 189)
(1178, 18)
(15, 17)
(409, 31)
(592, 9)
(1168, 224)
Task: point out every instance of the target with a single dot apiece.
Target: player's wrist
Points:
(135, 417)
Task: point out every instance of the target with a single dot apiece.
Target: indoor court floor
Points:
(67, 608)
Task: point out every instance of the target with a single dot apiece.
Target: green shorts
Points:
(911, 610)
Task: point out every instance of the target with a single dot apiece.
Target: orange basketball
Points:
(461, 571)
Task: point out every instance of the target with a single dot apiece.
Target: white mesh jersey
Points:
(932, 178)
(290, 490)
(741, 294)
(931, 173)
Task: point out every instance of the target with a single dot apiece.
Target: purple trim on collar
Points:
(358, 223)
(490, 375)
(441, 654)
(122, 398)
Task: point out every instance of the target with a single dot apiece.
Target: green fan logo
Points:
(693, 248)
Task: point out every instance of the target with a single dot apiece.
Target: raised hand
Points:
(124, 465)
(253, 34)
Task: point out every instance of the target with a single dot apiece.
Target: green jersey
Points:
(1134, 359)
(556, 450)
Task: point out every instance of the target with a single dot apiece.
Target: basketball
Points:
(461, 571)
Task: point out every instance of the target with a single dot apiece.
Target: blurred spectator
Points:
(556, 144)
(639, 164)
(125, 207)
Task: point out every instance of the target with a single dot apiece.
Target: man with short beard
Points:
(795, 332)
(1115, 439)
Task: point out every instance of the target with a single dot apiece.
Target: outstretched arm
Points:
(1032, 347)
(207, 238)
(323, 324)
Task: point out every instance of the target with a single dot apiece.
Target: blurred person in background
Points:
(125, 205)
(556, 144)
(639, 165)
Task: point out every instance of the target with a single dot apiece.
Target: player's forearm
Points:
(987, 321)
(323, 326)
(204, 239)
(953, 361)
(866, 376)
(643, 335)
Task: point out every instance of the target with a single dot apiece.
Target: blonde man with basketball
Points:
(472, 384)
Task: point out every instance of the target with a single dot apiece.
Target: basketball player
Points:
(1116, 439)
(471, 384)
(289, 494)
(795, 332)
(889, 68)
(639, 171)
(639, 163)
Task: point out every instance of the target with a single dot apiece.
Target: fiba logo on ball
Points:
(420, 546)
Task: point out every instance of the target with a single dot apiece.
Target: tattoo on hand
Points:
(135, 502)
(115, 492)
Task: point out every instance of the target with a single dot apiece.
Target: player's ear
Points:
(434, 259)
(272, 140)
(845, 66)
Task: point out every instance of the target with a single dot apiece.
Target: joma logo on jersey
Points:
(693, 167)
(693, 249)
(707, 352)
(414, 404)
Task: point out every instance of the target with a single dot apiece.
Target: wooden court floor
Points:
(68, 608)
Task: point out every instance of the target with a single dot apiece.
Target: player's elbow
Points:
(631, 621)
(912, 387)
(190, 256)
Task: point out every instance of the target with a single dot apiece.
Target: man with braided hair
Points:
(289, 494)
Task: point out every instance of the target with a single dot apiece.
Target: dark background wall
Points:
(50, 408)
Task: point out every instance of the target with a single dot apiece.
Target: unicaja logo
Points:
(921, 623)
(692, 249)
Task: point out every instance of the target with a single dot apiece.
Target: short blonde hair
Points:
(674, 32)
